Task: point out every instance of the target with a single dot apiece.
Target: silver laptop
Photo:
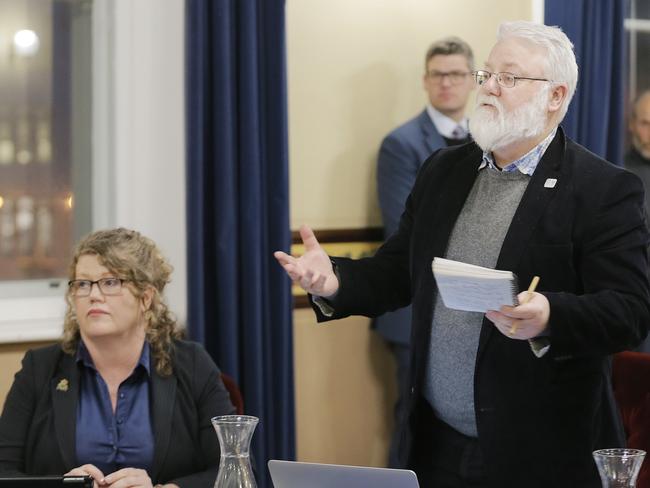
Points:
(293, 474)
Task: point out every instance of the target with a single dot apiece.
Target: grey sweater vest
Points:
(477, 238)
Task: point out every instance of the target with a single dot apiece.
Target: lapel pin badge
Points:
(62, 385)
(550, 183)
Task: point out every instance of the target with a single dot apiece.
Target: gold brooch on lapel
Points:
(62, 385)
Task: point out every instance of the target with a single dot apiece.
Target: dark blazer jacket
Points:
(37, 427)
(538, 419)
(401, 156)
(640, 166)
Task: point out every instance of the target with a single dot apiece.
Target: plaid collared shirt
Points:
(526, 164)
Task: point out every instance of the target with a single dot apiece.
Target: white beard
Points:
(493, 132)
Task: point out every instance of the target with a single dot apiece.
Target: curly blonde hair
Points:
(135, 258)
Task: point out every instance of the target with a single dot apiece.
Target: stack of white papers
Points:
(473, 288)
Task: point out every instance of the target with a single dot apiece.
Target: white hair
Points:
(561, 63)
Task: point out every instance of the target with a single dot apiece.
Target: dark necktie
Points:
(458, 133)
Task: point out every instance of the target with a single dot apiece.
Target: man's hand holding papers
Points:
(528, 320)
(468, 287)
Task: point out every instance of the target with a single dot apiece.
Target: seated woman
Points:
(121, 398)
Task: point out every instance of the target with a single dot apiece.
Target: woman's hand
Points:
(87, 470)
(128, 478)
(124, 478)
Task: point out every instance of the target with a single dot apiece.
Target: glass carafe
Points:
(619, 468)
(235, 433)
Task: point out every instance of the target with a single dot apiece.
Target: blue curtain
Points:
(239, 299)
(596, 115)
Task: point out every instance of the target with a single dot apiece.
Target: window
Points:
(45, 158)
(45, 132)
(126, 62)
(638, 28)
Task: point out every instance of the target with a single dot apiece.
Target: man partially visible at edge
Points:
(637, 159)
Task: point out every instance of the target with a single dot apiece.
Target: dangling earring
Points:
(148, 316)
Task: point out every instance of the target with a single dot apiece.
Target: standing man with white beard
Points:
(518, 397)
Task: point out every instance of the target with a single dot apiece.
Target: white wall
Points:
(140, 126)
(354, 73)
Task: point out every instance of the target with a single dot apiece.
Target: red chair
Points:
(631, 383)
(235, 395)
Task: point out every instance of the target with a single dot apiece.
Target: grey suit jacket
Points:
(401, 155)
(37, 427)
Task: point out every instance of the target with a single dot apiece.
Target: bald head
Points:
(640, 124)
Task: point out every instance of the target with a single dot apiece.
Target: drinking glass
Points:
(619, 468)
(235, 433)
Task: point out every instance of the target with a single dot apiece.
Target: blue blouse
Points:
(114, 441)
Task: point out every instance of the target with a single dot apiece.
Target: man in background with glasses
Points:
(448, 82)
(520, 396)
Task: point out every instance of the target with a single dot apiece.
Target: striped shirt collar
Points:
(525, 164)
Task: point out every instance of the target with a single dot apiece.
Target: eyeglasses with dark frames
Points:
(505, 79)
(454, 77)
(108, 286)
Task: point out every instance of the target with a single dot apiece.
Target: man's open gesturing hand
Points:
(313, 270)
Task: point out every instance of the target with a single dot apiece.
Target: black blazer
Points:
(538, 419)
(37, 427)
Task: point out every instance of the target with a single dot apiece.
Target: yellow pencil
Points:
(529, 295)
